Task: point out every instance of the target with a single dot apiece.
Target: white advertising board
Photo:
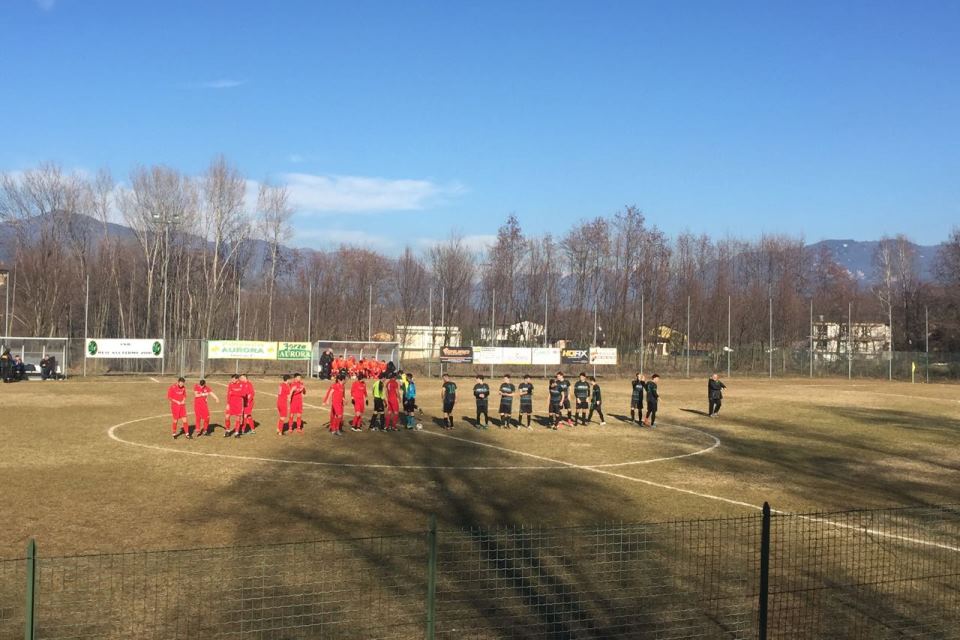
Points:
(123, 348)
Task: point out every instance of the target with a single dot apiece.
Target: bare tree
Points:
(273, 223)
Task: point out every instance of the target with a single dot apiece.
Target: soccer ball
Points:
(419, 427)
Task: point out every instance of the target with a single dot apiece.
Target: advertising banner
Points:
(294, 351)
(456, 355)
(487, 355)
(542, 355)
(603, 355)
(515, 355)
(241, 350)
(122, 348)
(574, 356)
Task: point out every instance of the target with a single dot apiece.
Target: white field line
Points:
(112, 433)
(155, 380)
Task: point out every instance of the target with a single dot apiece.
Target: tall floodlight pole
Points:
(546, 307)
(890, 321)
(86, 318)
(688, 336)
(443, 318)
(5, 281)
(432, 333)
(595, 316)
(771, 336)
(370, 315)
(849, 340)
(237, 362)
(729, 309)
(642, 346)
(310, 312)
(926, 346)
(811, 337)
(493, 326)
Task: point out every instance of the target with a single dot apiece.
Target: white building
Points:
(423, 341)
(868, 338)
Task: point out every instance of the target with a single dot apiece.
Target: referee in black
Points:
(714, 395)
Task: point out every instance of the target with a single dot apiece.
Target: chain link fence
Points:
(859, 574)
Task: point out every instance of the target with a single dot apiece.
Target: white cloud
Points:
(46, 5)
(354, 194)
(222, 83)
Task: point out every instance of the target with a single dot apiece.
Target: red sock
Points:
(299, 424)
(280, 425)
(173, 429)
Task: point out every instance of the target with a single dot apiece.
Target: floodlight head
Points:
(728, 349)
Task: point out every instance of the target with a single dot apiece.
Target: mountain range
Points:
(856, 256)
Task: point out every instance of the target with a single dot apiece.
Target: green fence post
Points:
(432, 578)
(764, 571)
(30, 614)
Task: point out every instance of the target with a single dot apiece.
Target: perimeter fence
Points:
(857, 574)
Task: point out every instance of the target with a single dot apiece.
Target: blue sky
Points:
(400, 122)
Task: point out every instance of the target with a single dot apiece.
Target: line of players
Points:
(391, 391)
(586, 392)
(238, 415)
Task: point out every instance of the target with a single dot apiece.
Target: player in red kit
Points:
(177, 395)
(393, 403)
(234, 410)
(283, 403)
(334, 398)
(201, 412)
(297, 391)
(358, 392)
(248, 423)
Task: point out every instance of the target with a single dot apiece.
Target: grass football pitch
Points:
(88, 465)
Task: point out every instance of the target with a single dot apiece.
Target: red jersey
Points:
(296, 400)
(393, 393)
(358, 391)
(235, 393)
(177, 395)
(335, 392)
(283, 395)
(200, 393)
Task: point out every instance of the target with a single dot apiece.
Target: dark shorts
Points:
(506, 407)
(566, 404)
(481, 406)
(448, 406)
(378, 405)
(582, 403)
(652, 405)
(554, 407)
(636, 403)
(526, 406)
(410, 405)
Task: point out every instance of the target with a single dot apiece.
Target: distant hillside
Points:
(856, 256)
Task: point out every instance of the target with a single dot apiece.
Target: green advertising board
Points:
(294, 351)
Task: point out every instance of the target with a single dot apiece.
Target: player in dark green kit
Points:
(653, 401)
(581, 392)
(639, 385)
(563, 385)
(595, 401)
(481, 393)
(526, 400)
(448, 394)
(506, 402)
(556, 399)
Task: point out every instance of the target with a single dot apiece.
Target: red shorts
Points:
(393, 406)
(201, 411)
(178, 411)
(282, 408)
(358, 406)
(296, 406)
(234, 408)
(248, 409)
